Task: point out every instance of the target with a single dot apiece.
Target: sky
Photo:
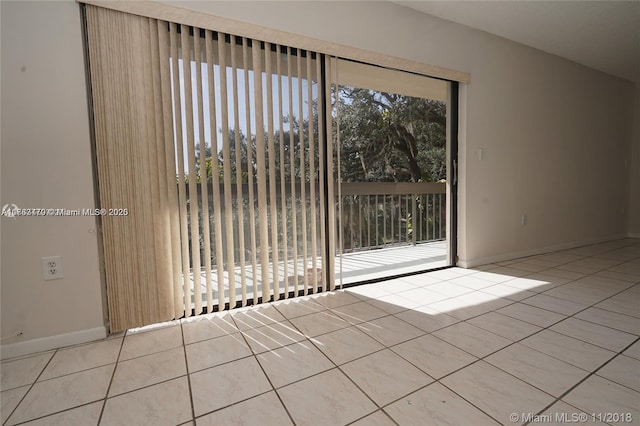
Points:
(242, 122)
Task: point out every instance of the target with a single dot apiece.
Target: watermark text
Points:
(12, 210)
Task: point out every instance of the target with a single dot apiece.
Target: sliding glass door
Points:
(393, 174)
(256, 171)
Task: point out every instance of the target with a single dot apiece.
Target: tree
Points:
(390, 137)
(384, 137)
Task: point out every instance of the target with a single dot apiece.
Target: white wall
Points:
(555, 134)
(46, 163)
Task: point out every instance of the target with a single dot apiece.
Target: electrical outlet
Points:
(52, 268)
(524, 219)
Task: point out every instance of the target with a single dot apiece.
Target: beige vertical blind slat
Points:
(128, 106)
(332, 70)
(162, 220)
(252, 213)
(335, 80)
(292, 165)
(202, 175)
(166, 278)
(215, 178)
(143, 170)
(193, 286)
(263, 225)
(273, 203)
(238, 162)
(182, 197)
(226, 165)
(321, 166)
(283, 183)
(303, 192)
(170, 166)
(150, 89)
(312, 177)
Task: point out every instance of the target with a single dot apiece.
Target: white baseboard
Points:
(52, 342)
(470, 263)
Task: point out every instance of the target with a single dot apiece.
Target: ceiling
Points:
(604, 35)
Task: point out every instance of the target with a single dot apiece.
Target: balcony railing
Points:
(386, 214)
(372, 215)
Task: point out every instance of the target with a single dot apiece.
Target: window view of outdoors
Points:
(391, 138)
(252, 170)
(387, 137)
(253, 176)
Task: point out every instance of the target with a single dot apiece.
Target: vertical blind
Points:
(220, 147)
(135, 160)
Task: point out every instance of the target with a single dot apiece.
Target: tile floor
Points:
(545, 339)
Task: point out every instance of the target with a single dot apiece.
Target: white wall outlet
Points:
(524, 219)
(52, 268)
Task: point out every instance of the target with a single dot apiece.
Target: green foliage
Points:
(391, 138)
(384, 138)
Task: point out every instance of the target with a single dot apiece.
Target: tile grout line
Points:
(569, 282)
(255, 356)
(384, 413)
(233, 404)
(583, 257)
(483, 358)
(591, 374)
(137, 389)
(335, 366)
(629, 285)
(518, 341)
(593, 305)
(616, 312)
(79, 371)
(113, 374)
(76, 406)
(438, 380)
(386, 347)
(57, 412)
(30, 388)
(350, 324)
(273, 388)
(381, 408)
(548, 328)
(133, 358)
(430, 332)
(618, 355)
(186, 367)
(474, 362)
